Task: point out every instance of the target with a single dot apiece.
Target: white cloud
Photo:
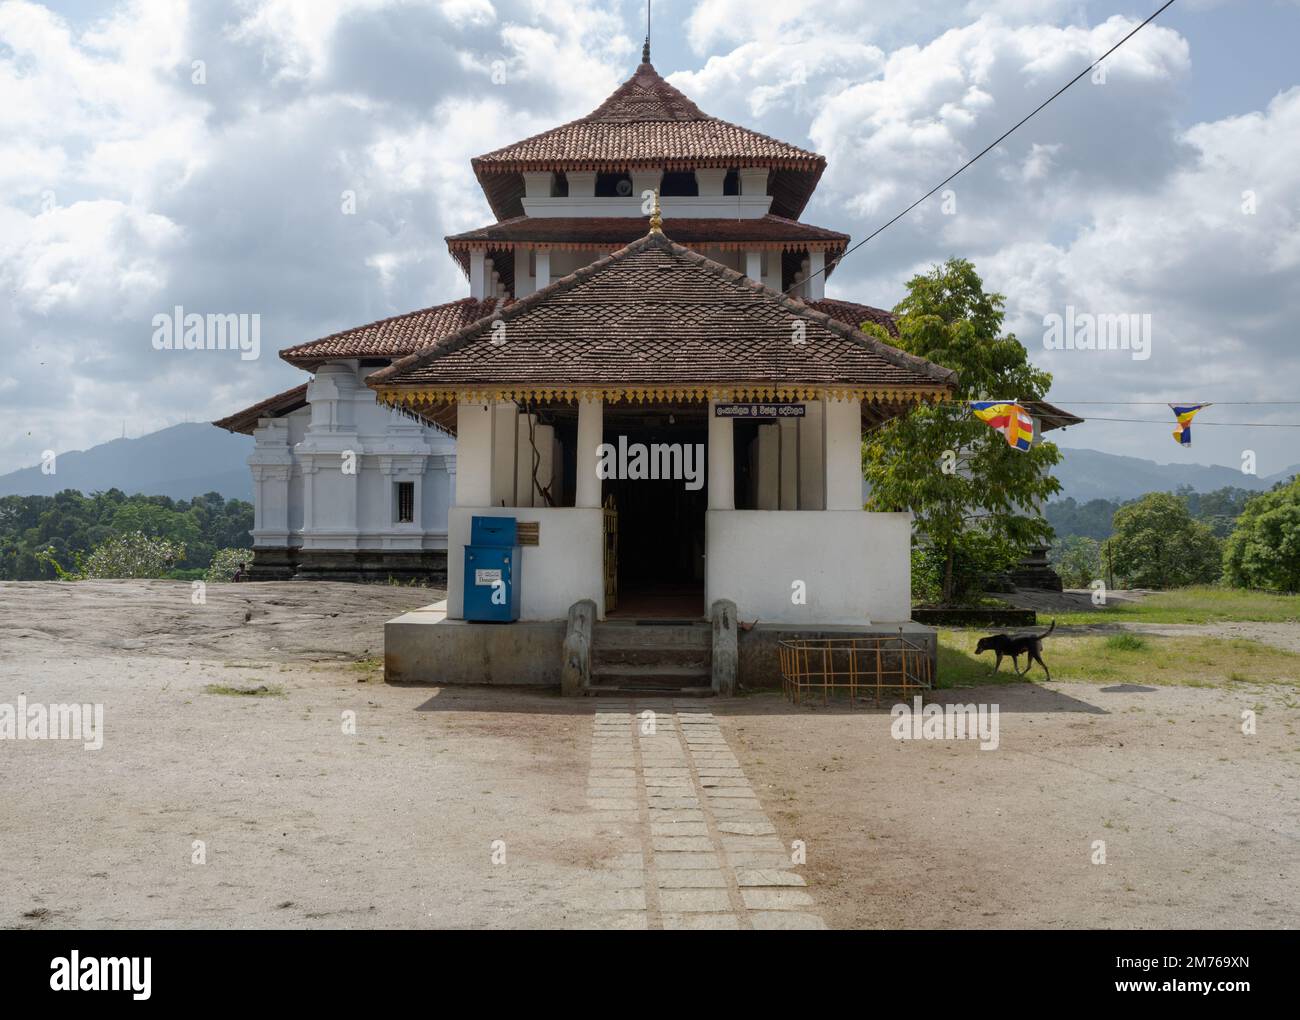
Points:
(126, 189)
(757, 77)
(95, 260)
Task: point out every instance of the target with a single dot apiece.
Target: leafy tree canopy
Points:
(954, 472)
(43, 535)
(1263, 550)
(1157, 544)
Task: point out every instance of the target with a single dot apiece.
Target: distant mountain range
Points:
(182, 462)
(1090, 474)
(188, 460)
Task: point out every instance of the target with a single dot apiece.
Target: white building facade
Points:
(347, 487)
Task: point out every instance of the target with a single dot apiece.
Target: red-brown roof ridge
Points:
(272, 407)
(927, 371)
(645, 98)
(394, 336)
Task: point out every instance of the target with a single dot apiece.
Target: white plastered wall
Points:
(855, 567)
(306, 496)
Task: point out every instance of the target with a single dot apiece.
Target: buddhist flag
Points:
(1012, 420)
(1185, 414)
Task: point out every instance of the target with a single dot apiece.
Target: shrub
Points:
(225, 562)
(134, 554)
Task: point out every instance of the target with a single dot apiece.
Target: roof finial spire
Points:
(656, 217)
(645, 50)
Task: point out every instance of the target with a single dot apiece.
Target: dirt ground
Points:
(1201, 823)
(304, 825)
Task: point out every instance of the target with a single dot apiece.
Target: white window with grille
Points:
(405, 502)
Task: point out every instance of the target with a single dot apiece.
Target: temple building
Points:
(646, 376)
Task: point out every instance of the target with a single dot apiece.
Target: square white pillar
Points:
(812, 475)
(709, 181)
(816, 276)
(545, 438)
(843, 455)
(557, 472)
(478, 274)
(523, 274)
(754, 265)
(582, 183)
(524, 461)
(591, 433)
(720, 465)
(753, 180)
(537, 184)
(788, 430)
(774, 279)
(503, 454)
(643, 181)
(474, 435)
(769, 467)
(543, 260)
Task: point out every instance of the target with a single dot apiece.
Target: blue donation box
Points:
(492, 570)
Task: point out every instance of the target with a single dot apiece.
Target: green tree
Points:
(132, 555)
(966, 486)
(1263, 550)
(1157, 544)
(41, 536)
(1091, 519)
(1078, 561)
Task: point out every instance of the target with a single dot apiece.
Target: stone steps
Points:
(670, 658)
(666, 692)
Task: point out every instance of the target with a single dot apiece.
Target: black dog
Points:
(1024, 644)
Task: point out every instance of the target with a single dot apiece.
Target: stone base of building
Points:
(273, 564)
(424, 647)
(423, 566)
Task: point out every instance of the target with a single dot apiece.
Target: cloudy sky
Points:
(134, 178)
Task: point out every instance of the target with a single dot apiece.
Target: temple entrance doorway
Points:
(654, 470)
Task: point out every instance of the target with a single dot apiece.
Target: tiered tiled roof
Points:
(856, 314)
(648, 124)
(767, 233)
(658, 317)
(272, 407)
(584, 231)
(394, 337)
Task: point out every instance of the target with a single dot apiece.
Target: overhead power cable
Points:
(988, 148)
(1166, 403)
(1201, 424)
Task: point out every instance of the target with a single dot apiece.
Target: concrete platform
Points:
(424, 647)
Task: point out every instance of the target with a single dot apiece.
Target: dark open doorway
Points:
(660, 519)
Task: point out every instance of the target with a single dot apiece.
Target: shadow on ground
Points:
(1017, 697)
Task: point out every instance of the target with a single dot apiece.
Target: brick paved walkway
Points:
(663, 776)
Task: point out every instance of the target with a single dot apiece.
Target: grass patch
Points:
(1126, 642)
(1175, 661)
(1198, 604)
(958, 666)
(260, 691)
(368, 669)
